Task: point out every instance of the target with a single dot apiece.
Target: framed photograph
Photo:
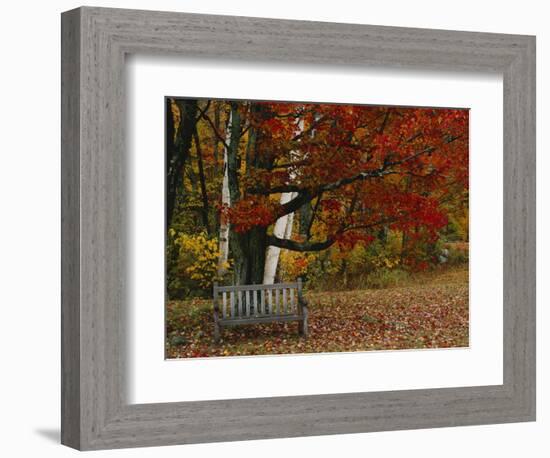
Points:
(335, 200)
(278, 228)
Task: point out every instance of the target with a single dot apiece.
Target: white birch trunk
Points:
(226, 202)
(290, 222)
(282, 229)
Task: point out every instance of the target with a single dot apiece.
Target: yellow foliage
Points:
(176, 114)
(293, 264)
(461, 221)
(198, 257)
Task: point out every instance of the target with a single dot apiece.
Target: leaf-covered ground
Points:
(432, 312)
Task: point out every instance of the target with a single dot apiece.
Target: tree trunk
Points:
(204, 194)
(215, 140)
(273, 252)
(306, 216)
(226, 202)
(177, 150)
(290, 222)
(170, 152)
(247, 248)
(282, 229)
(248, 251)
(238, 242)
(405, 236)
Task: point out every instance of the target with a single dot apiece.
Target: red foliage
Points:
(349, 239)
(248, 213)
(367, 165)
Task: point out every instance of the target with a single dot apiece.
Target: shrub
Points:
(458, 253)
(346, 267)
(385, 278)
(192, 264)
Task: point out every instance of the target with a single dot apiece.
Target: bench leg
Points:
(217, 333)
(217, 328)
(303, 323)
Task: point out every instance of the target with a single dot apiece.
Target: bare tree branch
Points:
(221, 139)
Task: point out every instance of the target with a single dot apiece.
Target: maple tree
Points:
(346, 172)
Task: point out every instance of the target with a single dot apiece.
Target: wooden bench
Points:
(249, 304)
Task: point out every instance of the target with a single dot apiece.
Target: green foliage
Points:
(457, 229)
(386, 278)
(366, 265)
(382, 263)
(381, 254)
(458, 253)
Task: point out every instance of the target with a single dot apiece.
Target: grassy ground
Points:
(429, 311)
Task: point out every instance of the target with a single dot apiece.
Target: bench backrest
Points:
(258, 300)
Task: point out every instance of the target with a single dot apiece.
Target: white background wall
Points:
(30, 228)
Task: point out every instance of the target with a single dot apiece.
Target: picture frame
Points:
(95, 410)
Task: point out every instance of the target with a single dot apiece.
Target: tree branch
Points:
(313, 215)
(221, 139)
(290, 164)
(299, 246)
(309, 129)
(306, 195)
(294, 245)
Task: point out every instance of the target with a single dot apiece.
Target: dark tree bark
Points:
(237, 241)
(300, 246)
(405, 236)
(307, 245)
(306, 218)
(247, 248)
(249, 265)
(170, 152)
(215, 140)
(205, 207)
(233, 154)
(177, 150)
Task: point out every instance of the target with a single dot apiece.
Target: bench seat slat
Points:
(260, 319)
(262, 302)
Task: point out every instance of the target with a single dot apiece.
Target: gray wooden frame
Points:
(95, 413)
